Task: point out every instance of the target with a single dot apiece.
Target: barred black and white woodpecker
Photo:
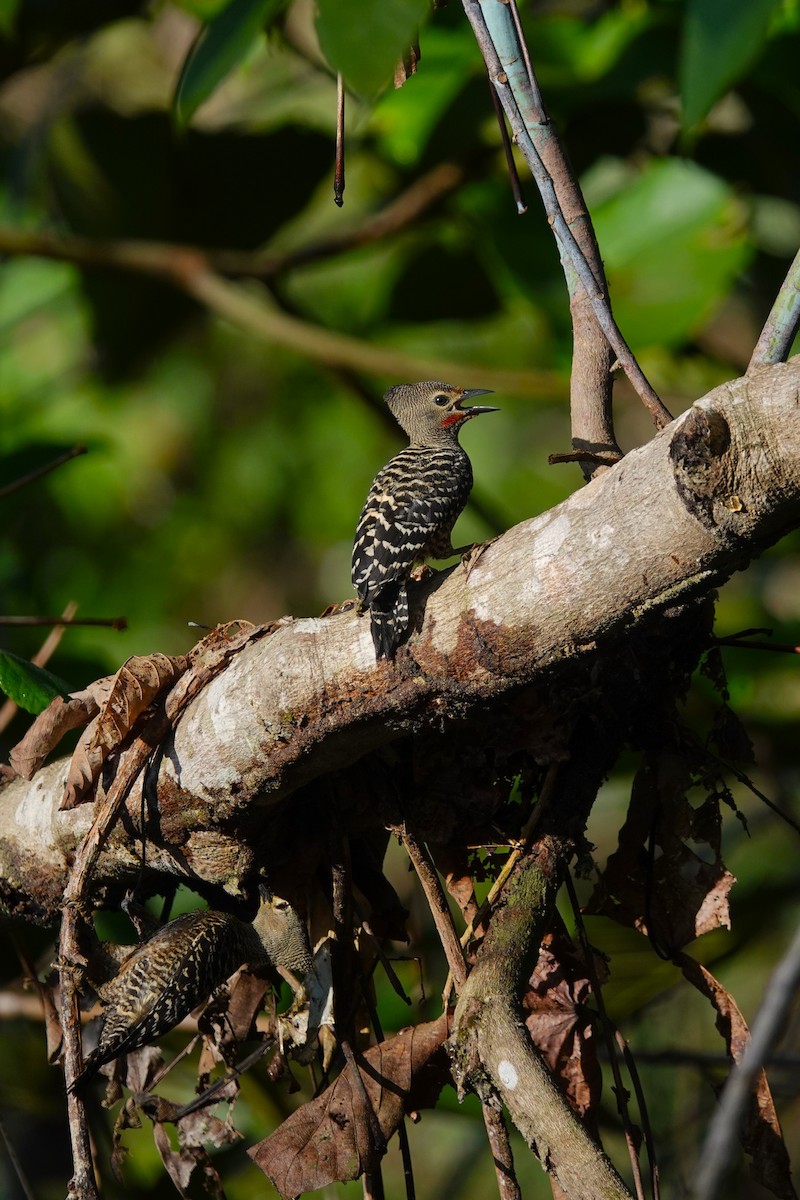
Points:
(413, 503)
(167, 976)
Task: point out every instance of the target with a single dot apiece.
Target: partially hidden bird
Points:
(167, 976)
(413, 503)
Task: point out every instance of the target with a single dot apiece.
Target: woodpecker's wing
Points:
(162, 980)
(411, 500)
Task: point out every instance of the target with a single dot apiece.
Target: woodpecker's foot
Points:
(343, 606)
(472, 555)
(421, 572)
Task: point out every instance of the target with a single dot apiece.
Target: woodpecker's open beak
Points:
(475, 409)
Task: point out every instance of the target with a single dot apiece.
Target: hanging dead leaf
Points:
(247, 994)
(58, 719)
(328, 1139)
(655, 881)
(762, 1137)
(180, 1164)
(134, 687)
(453, 862)
(559, 1023)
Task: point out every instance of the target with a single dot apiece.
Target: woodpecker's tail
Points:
(91, 1067)
(389, 617)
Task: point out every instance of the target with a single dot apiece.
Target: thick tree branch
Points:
(537, 609)
(491, 1048)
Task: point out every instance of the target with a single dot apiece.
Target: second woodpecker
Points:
(413, 503)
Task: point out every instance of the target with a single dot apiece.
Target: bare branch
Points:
(491, 1045)
(508, 63)
(187, 268)
(40, 472)
(782, 323)
(500, 1145)
(437, 902)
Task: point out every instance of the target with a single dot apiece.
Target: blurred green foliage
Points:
(225, 474)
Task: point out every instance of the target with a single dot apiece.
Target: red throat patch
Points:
(453, 419)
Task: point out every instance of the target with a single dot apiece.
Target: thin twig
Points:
(717, 1155)
(513, 175)
(437, 901)
(381, 956)
(782, 324)
(32, 476)
(593, 283)
(208, 1096)
(747, 782)
(251, 312)
(13, 1158)
(338, 173)
(500, 1145)
(82, 1186)
(341, 891)
(776, 647)
(166, 257)
(633, 1071)
(34, 622)
(40, 659)
(402, 1132)
(620, 1091)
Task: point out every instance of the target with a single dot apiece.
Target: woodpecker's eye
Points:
(441, 400)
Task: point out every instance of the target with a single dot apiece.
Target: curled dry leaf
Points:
(133, 688)
(58, 719)
(559, 1022)
(328, 1139)
(762, 1138)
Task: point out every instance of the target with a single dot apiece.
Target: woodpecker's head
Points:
(434, 411)
(282, 933)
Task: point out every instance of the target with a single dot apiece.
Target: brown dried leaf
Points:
(678, 895)
(453, 862)
(328, 1139)
(559, 1023)
(50, 726)
(141, 1068)
(762, 1138)
(180, 1164)
(246, 1000)
(133, 688)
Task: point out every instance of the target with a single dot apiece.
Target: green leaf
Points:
(364, 39)
(29, 686)
(721, 39)
(672, 242)
(220, 46)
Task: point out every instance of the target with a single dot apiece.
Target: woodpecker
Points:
(175, 970)
(413, 503)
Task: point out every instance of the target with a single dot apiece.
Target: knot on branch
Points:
(704, 467)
